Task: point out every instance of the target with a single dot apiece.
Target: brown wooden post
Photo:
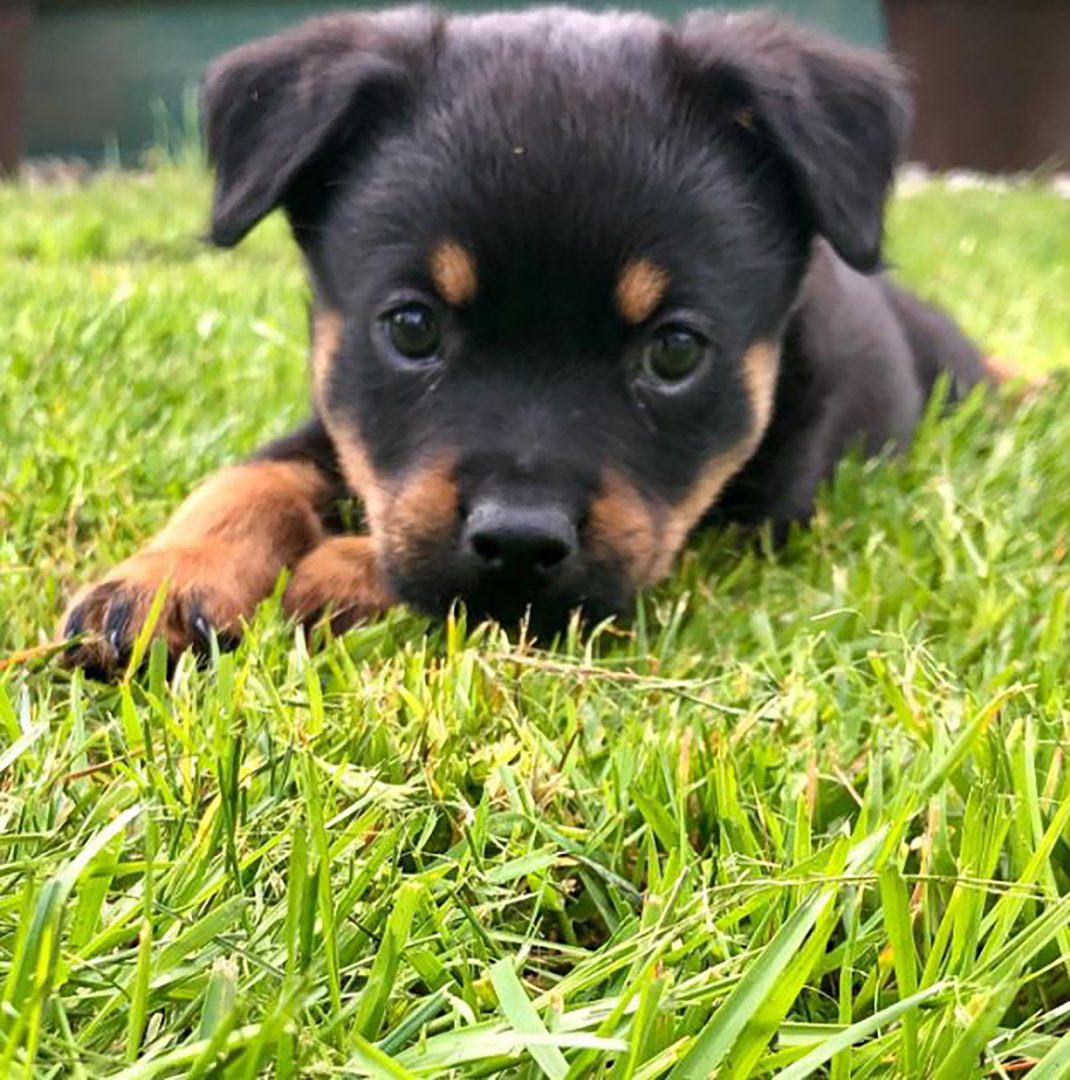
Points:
(991, 81)
(15, 18)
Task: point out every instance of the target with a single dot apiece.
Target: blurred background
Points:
(106, 80)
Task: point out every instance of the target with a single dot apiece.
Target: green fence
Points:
(112, 78)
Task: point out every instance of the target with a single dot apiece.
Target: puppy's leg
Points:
(779, 484)
(339, 578)
(938, 344)
(218, 557)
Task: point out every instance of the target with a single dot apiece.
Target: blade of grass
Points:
(729, 1020)
(366, 1059)
(1055, 1064)
(896, 913)
(139, 999)
(861, 1029)
(988, 1009)
(521, 1014)
(371, 1005)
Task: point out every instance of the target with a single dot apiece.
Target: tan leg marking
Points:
(274, 501)
(218, 557)
(1004, 371)
(341, 578)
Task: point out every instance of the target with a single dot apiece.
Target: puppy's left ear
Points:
(836, 116)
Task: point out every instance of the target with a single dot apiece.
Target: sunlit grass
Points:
(810, 808)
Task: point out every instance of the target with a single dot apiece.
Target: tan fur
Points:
(328, 327)
(1000, 370)
(327, 330)
(423, 513)
(219, 556)
(271, 502)
(453, 272)
(760, 368)
(624, 529)
(403, 517)
(1005, 371)
(621, 528)
(640, 288)
(375, 494)
(340, 577)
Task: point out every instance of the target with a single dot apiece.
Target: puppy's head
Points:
(553, 255)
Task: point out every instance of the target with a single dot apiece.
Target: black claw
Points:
(75, 623)
(200, 625)
(117, 624)
(97, 672)
(202, 629)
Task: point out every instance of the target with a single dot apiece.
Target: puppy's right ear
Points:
(279, 114)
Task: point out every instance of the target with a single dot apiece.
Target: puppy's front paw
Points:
(210, 586)
(339, 578)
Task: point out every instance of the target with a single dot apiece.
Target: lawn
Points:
(808, 815)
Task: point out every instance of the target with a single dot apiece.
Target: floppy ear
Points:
(279, 113)
(836, 116)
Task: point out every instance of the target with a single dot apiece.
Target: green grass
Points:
(809, 814)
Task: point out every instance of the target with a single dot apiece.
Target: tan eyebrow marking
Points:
(640, 288)
(453, 271)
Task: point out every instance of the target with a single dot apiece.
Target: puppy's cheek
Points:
(328, 329)
(421, 523)
(621, 533)
(373, 490)
(761, 365)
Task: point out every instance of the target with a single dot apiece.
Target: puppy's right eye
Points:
(414, 331)
(673, 354)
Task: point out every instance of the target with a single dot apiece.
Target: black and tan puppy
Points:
(580, 283)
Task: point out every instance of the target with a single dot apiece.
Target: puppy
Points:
(580, 284)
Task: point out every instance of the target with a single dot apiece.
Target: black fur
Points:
(747, 157)
(834, 115)
(281, 114)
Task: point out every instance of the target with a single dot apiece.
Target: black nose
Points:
(520, 539)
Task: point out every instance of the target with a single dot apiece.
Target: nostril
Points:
(551, 552)
(487, 548)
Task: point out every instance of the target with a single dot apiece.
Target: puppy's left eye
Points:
(414, 331)
(673, 353)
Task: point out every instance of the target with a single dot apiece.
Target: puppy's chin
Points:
(543, 621)
(545, 613)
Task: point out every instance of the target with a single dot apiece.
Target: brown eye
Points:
(414, 331)
(673, 354)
